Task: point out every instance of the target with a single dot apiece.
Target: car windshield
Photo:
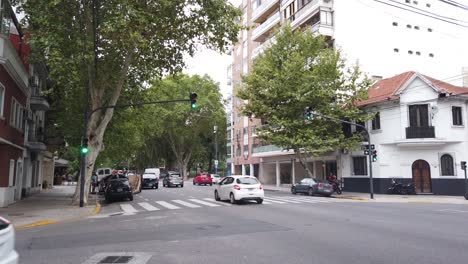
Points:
(246, 180)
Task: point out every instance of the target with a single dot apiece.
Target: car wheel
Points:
(260, 201)
(211, 184)
(157, 186)
(193, 182)
(181, 186)
(130, 197)
(232, 199)
(293, 190)
(217, 196)
(310, 192)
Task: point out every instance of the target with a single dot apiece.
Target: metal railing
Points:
(266, 148)
(302, 10)
(274, 19)
(420, 132)
(262, 7)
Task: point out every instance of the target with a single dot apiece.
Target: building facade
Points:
(383, 40)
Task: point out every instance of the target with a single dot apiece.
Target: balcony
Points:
(39, 103)
(36, 142)
(322, 29)
(265, 9)
(262, 31)
(262, 47)
(307, 11)
(420, 132)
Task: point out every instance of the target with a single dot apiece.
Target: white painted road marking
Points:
(272, 201)
(148, 206)
(204, 203)
(167, 205)
(186, 204)
(128, 208)
(283, 200)
(217, 202)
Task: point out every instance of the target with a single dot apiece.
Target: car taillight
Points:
(261, 187)
(320, 185)
(237, 187)
(4, 223)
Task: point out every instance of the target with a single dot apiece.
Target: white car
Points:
(237, 188)
(8, 255)
(215, 178)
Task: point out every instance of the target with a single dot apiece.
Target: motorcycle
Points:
(399, 188)
(336, 186)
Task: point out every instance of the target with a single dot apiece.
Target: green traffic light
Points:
(374, 159)
(84, 150)
(194, 105)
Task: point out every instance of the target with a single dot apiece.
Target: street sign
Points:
(216, 163)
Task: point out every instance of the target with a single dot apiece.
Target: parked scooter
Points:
(336, 186)
(399, 188)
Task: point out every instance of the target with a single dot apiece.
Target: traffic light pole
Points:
(371, 180)
(84, 141)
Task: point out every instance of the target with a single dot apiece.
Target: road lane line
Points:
(305, 200)
(284, 200)
(191, 205)
(217, 202)
(204, 203)
(167, 205)
(148, 207)
(272, 201)
(128, 208)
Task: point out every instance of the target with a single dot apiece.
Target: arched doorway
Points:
(422, 176)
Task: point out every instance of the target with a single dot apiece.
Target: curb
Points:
(351, 198)
(97, 210)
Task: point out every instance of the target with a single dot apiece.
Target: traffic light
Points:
(84, 147)
(463, 165)
(193, 100)
(374, 155)
(308, 113)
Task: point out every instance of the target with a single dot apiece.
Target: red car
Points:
(202, 178)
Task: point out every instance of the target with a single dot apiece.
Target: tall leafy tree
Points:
(97, 48)
(300, 70)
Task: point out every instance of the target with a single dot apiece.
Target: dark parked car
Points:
(102, 184)
(312, 186)
(150, 180)
(173, 178)
(118, 189)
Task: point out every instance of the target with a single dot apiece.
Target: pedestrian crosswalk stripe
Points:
(273, 201)
(305, 200)
(283, 200)
(204, 203)
(265, 202)
(314, 199)
(148, 207)
(167, 205)
(128, 208)
(191, 205)
(217, 202)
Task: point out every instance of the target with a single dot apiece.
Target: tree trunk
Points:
(303, 161)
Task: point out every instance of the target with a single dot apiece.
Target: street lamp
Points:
(215, 131)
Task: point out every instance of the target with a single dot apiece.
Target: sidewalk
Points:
(48, 207)
(384, 198)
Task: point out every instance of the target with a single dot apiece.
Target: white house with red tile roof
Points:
(420, 134)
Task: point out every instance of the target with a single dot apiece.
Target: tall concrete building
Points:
(384, 39)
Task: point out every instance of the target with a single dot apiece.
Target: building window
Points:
(446, 165)
(429, 29)
(376, 122)
(431, 55)
(418, 115)
(359, 166)
(415, 2)
(2, 99)
(410, 52)
(408, 26)
(11, 175)
(395, 24)
(457, 116)
(246, 133)
(396, 50)
(418, 53)
(428, 5)
(416, 27)
(238, 151)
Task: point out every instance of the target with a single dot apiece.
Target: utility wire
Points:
(419, 9)
(423, 14)
(456, 4)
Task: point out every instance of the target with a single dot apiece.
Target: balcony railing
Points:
(269, 23)
(420, 132)
(267, 148)
(262, 8)
(265, 45)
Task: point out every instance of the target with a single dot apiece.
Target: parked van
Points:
(155, 171)
(103, 172)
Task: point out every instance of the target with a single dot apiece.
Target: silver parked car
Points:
(173, 178)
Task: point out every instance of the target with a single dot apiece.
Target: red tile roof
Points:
(386, 89)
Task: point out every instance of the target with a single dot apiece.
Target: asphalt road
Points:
(181, 225)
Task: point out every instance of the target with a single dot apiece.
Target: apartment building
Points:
(384, 40)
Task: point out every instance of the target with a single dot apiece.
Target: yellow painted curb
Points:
(351, 198)
(35, 224)
(420, 202)
(96, 211)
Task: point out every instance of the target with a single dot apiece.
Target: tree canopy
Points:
(300, 70)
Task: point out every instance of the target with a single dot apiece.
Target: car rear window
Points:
(247, 180)
(175, 175)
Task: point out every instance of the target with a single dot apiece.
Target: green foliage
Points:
(300, 71)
